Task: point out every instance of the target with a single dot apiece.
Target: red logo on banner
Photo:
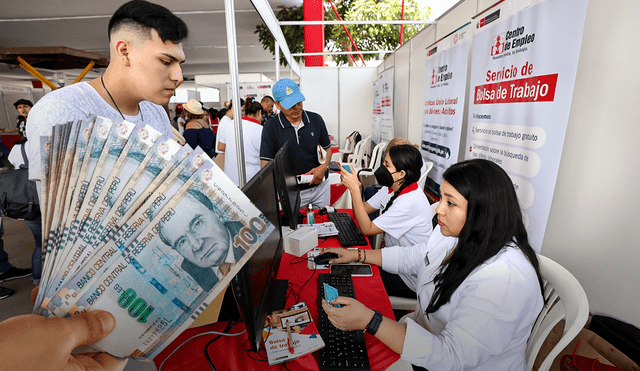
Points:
(498, 45)
(531, 89)
(434, 77)
(455, 39)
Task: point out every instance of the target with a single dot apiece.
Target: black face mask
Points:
(384, 176)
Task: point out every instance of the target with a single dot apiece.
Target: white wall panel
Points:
(356, 100)
(320, 88)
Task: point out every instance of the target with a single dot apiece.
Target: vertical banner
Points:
(444, 100)
(377, 112)
(522, 80)
(386, 105)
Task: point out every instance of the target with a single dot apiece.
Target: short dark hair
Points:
(267, 97)
(147, 16)
(22, 101)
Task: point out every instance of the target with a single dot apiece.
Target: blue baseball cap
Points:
(287, 93)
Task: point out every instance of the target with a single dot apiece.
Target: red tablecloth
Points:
(10, 139)
(227, 352)
(336, 192)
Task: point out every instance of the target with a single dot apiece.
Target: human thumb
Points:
(89, 327)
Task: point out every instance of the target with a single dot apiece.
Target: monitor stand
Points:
(279, 298)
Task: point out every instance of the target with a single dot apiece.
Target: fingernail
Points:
(106, 320)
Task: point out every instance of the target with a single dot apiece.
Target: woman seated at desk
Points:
(405, 216)
(479, 284)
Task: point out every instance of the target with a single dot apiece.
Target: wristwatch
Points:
(375, 322)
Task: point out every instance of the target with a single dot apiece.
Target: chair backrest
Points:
(360, 156)
(366, 150)
(423, 177)
(377, 156)
(349, 144)
(565, 299)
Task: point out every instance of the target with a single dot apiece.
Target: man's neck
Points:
(293, 122)
(117, 93)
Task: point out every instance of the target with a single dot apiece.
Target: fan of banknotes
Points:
(135, 224)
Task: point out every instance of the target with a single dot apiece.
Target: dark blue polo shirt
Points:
(303, 147)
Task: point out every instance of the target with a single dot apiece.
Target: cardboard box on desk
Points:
(591, 347)
(300, 241)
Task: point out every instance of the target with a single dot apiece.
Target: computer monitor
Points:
(287, 186)
(255, 286)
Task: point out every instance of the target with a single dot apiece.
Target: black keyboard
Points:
(349, 234)
(343, 350)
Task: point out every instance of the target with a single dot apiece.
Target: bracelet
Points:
(359, 256)
(375, 322)
(364, 252)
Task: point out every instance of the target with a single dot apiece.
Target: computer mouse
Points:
(323, 259)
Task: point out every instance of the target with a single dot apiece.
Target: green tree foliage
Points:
(293, 34)
(374, 37)
(366, 37)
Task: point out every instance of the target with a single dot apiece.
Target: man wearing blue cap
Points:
(304, 131)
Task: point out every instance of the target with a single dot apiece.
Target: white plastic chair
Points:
(349, 146)
(566, 300)
(423, 177)
(377, 158)
(361, 154)
(400, 303)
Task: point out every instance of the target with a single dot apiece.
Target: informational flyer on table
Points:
(522, 79)
(444, 99)
(386, 105)
(377, 112)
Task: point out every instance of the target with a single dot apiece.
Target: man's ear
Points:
(122, 49)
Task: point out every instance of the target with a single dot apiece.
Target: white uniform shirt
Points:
(252, 137)
(79, 101)
(486, 323)
(181, 124)
(224, 122)
(407, 222)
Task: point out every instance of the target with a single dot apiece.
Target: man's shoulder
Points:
(313, 116)
(66, 104)
(72, 95)
(272, 120)
(272, 124)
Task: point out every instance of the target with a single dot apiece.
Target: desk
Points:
(227, 353)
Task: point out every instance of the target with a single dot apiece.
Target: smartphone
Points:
(348, 168)
(333, 166)
(355, 270)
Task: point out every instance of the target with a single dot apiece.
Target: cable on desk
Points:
(206, 347)
(195, 336)
(290, 292)
(299, 260)
(263, 358)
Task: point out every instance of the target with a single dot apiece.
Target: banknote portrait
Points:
(202, 235)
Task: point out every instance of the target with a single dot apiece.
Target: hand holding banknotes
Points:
(32, 342)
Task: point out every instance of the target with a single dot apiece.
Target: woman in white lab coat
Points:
(479, 286)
